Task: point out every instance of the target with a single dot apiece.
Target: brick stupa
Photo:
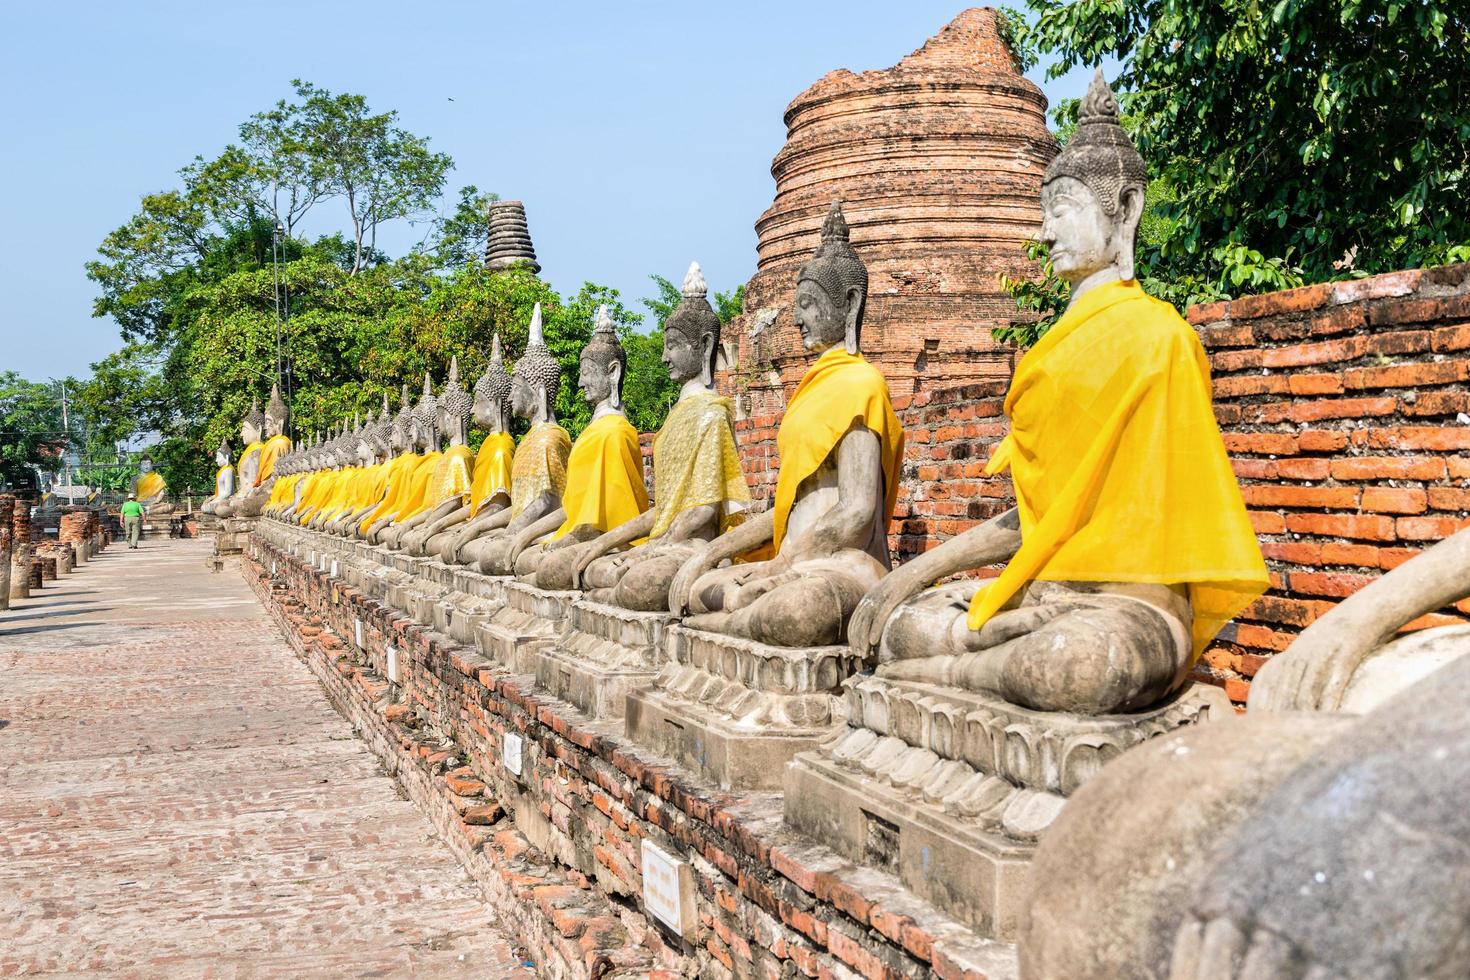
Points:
(938, 164)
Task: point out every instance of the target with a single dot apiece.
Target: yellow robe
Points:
(400, 470)
(696, 462)
(453, 476)
(1119, 469)
(150, 484)
(316, 494)
(275, 447)
(254, 447)
(219, 479)
(604, 477)
(540, 465)
(420, 491)
(839, 389)
(492, 469)
(341, 494)
(283, 492)
(367, 488)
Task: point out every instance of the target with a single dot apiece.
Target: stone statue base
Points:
(531, 619)
(230, 540)
(736, 711)
(606, 654)
(470, 602)
(950, 790)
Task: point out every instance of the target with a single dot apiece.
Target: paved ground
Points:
(177, 798)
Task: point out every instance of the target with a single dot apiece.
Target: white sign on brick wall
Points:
(357, 632)
(334, 568)
(510, 752)
(392, 664)
(668, 888)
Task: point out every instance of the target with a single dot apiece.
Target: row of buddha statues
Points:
(1128, 549)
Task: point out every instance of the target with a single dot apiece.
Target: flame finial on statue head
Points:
(835, 266)
(537, 366)
(494, 384)
(1100, 154)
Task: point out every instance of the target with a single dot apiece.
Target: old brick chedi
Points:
(937, 162)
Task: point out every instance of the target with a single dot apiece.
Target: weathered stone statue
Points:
(224, 478)
(252, 427)
(326, 463)
(1130, 546)
(149, 484)
(699, 489)
(491, 480)
(373, 450)
(449, 487)
(277, 417)
(1323, 834)
(401, 439)
(605, 486)
(841, 449)
(425, 430)
(341, 483)
(539, 468)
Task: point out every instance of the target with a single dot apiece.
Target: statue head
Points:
(536, 380)
(145, 465)
(492, 391)
(1092, 194)
(831, 290)
(376, 435)
(222, 454)
(603, 363)
(277, 415)
(426, 418)
(253, 424)
(692, 333)
(401, 439)
(454, 407)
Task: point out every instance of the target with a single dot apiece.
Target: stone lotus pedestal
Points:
(605, 654)
(736, 711)
(950, 790)
(530, 619)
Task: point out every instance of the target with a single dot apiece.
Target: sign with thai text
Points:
(668, 887)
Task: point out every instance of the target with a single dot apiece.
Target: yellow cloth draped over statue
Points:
(696, 462)
(219, 480)
(341, 494)
(839, 389)
(400, 474)
(150, 484)
(275, 447)
(604, 477)
(420, 496)
(492, 469)
(1119, 469)
(317, 493)
(282, 492)
(245, 454)
(540, 465)
(367, 488)
(453, 476)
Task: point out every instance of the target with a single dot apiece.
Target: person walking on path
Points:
(132, 515)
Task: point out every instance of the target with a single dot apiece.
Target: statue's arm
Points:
(533, 532)
(737, 541)
(997, 540)
(690, 522)
(624, 534)
(455, 517)
(1313, 673)
(849, 523)
(442, 511)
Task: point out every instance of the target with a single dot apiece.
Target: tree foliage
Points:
(31, 433)
(1290, 141)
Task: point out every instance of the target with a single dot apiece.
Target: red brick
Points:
(1459, 467)
(1237, 690)
(1451, 338)
(464, 785)
(1339, 553)
(1340, 320)
(1295, 552)
(1371, 528)
(1208, 312)
(1429, 528)
(1224, 334)
(1342, 408)
(1246, 468)
(1420, 310)
(1281, 609)
(1376, 287)
(1236, 360)
(1434, 438)
(1267, 523)
(1262, 638)
(1388, 468)
(1449, 498)
(1321, 440)
(1394, 500)
(1417, 374)
(1236, 386)
(1322, 352)
(1426, 403)
(1328, 498)
(1316, 384)
(1328, 583)
(1391, 558)
(1302, 468)
(1430, 621)
(1261, 443)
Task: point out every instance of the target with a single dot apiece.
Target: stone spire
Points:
(494, 384)
(510, 238)
(454, 400)
(537, 366)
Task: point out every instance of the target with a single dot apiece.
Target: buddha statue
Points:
(344, 480)
(1129, 546)
(491, 479)
(1321, 834)
(538, 469)
(699, 489)
(224, 477)
(841, 449)
(149, 485)
(402, 437)
(373, 449)
(449, 487)
(605, 486)
(297, 470)
(247, 471)
(277, 417)
(419, 488)
(323, 480)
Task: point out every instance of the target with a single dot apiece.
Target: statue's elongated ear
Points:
(1125, 231)
(852, 333)
(707, 366)
(615, 383)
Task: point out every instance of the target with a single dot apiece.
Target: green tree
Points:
(1292, 141)
(31, 433)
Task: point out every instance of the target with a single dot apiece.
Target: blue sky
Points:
(640, 135)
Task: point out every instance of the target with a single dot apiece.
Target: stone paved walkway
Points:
(178, 799)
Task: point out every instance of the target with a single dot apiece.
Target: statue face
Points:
(593, 381)
(221, 457)
(486, 413)
(1082, 238)
(249, 433)
(683, 357)
(401, 439)
(523, 399)
(823, 323)
(273, 427)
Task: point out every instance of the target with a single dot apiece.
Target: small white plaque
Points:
(392, 664)
(273, 566)
(510, 752)
(334, 568)
(668, 887)
(357, 632)
(313, 559)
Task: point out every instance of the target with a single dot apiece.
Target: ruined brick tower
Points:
(938, 164)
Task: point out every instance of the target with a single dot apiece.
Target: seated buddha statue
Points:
(402, 438)
(345, 478)
(247, 470)
(699, 489)
(449, 485)
(294, 469)
(605, 486)
(490, 479)
(322, 482)
(841, 449)
(373, 450)
(416, 484)
(538, 471)
(149, 484)
(224, 477)
(253, 496)
(1129, 546)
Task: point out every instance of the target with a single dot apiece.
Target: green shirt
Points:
(132, 509)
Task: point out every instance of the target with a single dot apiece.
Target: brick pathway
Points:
(177, 798)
